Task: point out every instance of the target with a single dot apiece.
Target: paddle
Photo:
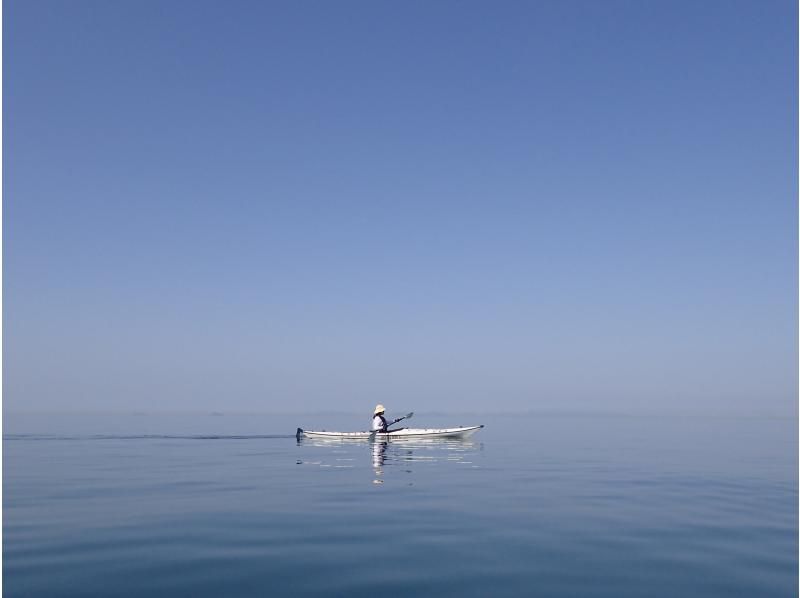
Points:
(407, 416)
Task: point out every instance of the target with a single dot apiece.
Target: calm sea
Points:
(546, 506)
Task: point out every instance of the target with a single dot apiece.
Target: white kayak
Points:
(463, 432)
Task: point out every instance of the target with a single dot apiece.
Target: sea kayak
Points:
(405, 433)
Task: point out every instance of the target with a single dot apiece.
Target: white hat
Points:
(379, 409)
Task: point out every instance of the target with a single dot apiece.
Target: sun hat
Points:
(379, 409)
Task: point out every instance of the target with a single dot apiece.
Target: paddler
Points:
(379, 422)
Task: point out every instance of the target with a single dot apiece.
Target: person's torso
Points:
(377, 422)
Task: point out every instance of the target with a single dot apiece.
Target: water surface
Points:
(552, 506)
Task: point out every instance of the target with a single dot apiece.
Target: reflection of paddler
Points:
(378, 455)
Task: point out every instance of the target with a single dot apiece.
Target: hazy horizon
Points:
(451, 207)
(403, 408)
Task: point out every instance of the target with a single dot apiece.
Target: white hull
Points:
(406, 433)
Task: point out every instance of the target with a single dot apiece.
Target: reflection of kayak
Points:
(395, 435)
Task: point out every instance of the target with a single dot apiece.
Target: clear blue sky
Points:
(441, 206)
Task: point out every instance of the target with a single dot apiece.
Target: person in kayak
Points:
(379, 422)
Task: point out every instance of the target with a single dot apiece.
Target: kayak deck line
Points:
(405, 433)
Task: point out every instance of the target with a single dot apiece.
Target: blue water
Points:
(548, 506)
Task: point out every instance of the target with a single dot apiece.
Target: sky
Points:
(315, 206)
